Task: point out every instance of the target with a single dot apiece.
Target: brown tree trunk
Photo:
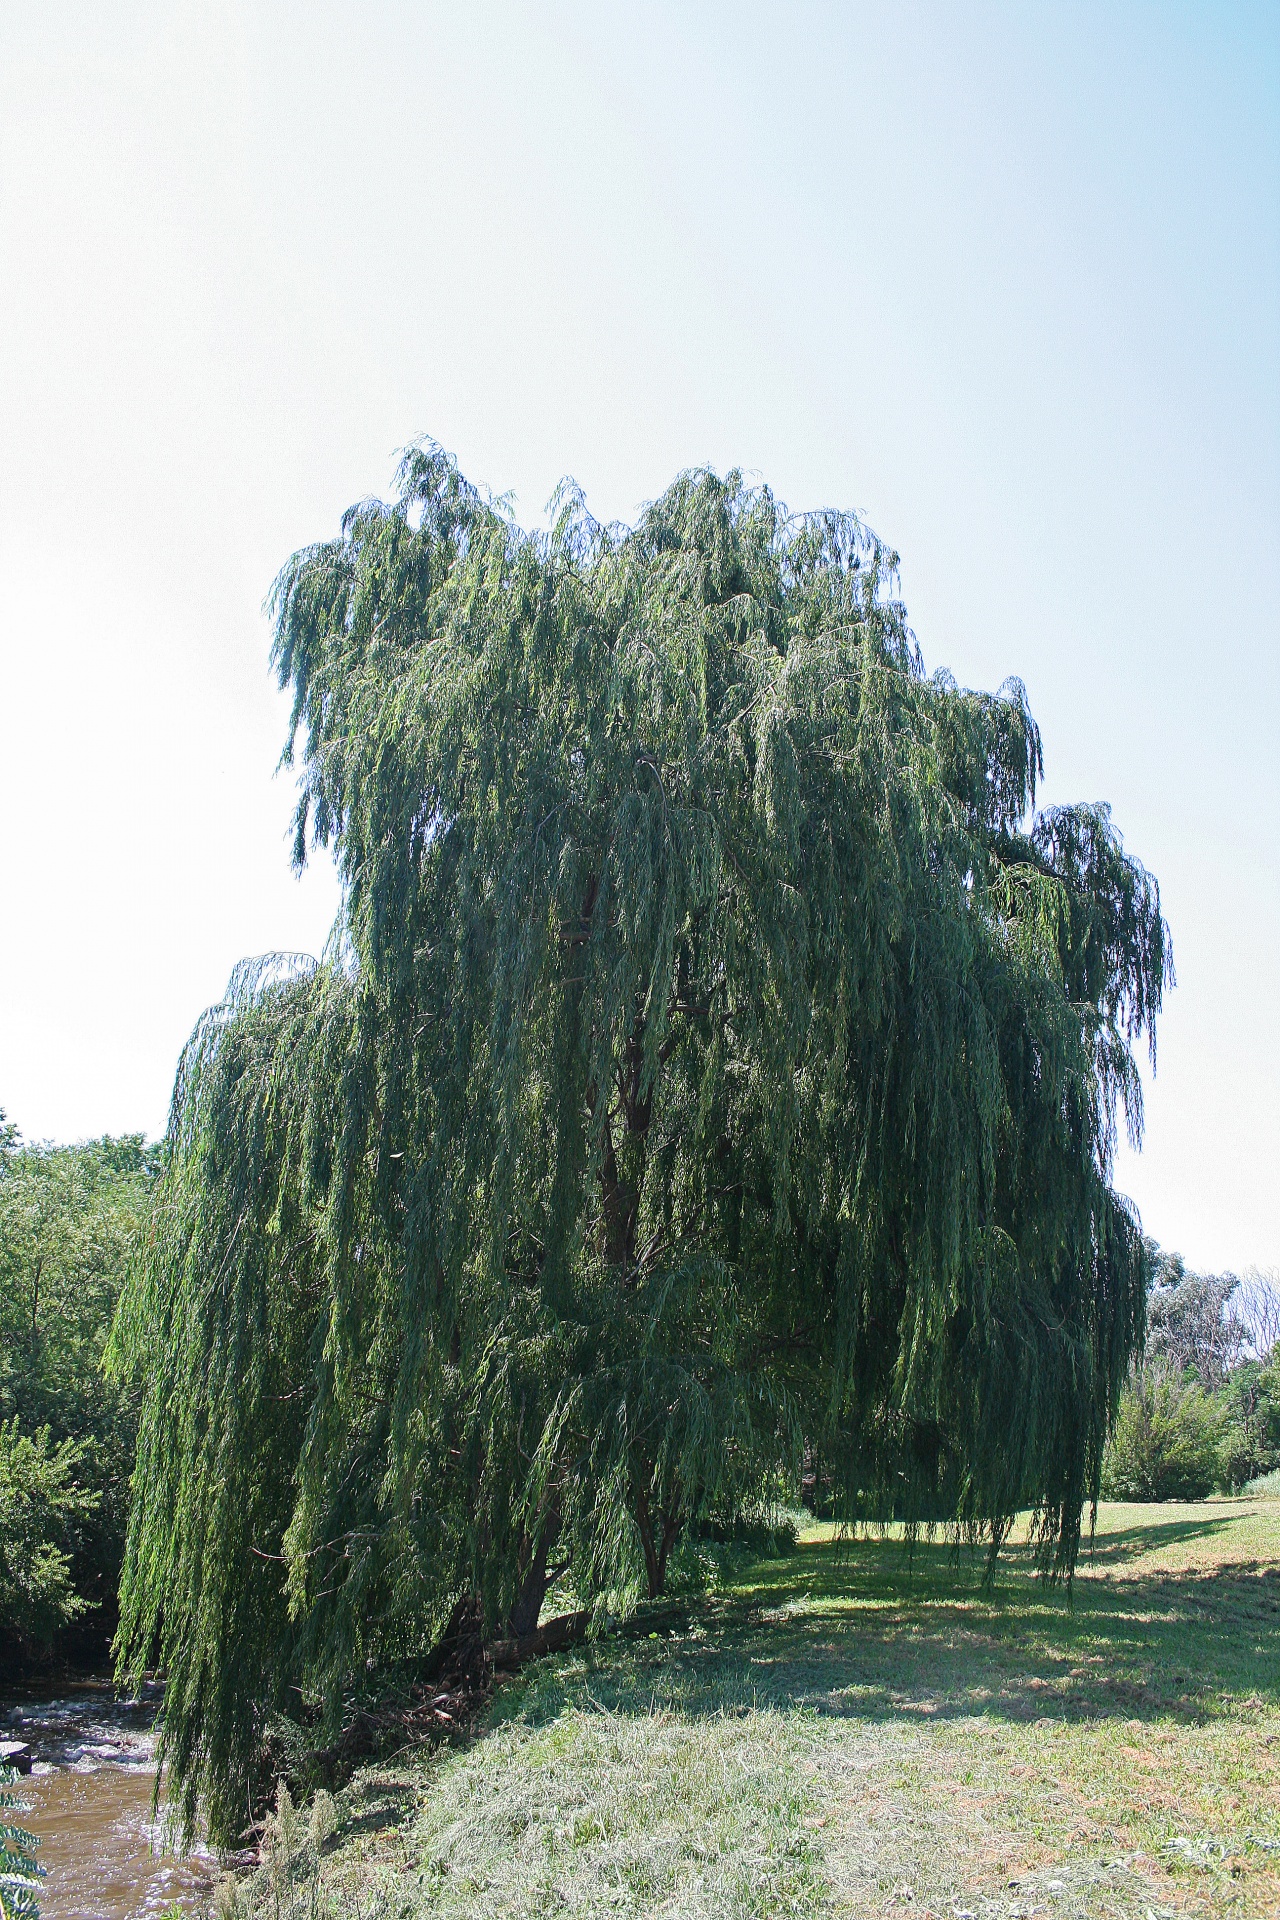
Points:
(523, 1618)
(561, 1632)
(618, 1206)
(656, 1544)
(621, 1163)
(670, 1531)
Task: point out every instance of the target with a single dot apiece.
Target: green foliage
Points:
(19, 1875)
(1214, 1333)
(711, 1059)
(1249, 1411)
(1165, 1442)
(68, 1217)
(43, 1511)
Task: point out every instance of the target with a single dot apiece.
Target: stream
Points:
(90, 1792)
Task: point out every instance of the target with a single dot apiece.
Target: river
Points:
(90, 1793)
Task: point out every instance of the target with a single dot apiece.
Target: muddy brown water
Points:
(105, 1856)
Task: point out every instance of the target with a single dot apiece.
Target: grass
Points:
(847, 1731)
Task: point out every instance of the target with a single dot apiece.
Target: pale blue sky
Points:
(1007, 278)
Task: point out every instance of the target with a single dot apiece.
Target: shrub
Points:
(1164, 1445)
(713, 1552)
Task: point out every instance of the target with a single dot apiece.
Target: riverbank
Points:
(846, 1732)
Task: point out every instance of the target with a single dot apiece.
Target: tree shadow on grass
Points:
(1127, 1543)
(859, 1634)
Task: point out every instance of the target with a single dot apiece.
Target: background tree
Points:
(68, 1215)
(1165, 1443)
(711, 1057)
(1249, 1424)
(1192, 1319)
(43, 1511)
(1202, 1407)
(1257, 1306)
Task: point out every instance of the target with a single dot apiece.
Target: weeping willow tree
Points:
(715, 1057)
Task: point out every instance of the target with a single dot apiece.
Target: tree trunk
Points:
(656, 1544)
(618, 1209)
(670, 1531)
(523, 1618)
(561, 1632)
(622, 1161)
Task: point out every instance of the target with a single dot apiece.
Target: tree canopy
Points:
(716, 1062)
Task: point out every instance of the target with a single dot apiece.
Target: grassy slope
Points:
(842, 1732)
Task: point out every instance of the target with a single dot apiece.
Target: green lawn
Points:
(845, 1731)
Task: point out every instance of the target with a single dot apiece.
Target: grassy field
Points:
(846, 1732)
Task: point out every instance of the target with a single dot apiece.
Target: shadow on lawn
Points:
(1127, 1543)
(857, 1632)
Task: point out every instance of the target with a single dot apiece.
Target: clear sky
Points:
(1006, 278)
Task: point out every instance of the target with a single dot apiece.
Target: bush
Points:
(1164, 1445)
(715, 1551)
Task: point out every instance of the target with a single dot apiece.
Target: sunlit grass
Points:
(849, 1730)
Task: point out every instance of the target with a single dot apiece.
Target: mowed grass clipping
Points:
(854, 1731)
